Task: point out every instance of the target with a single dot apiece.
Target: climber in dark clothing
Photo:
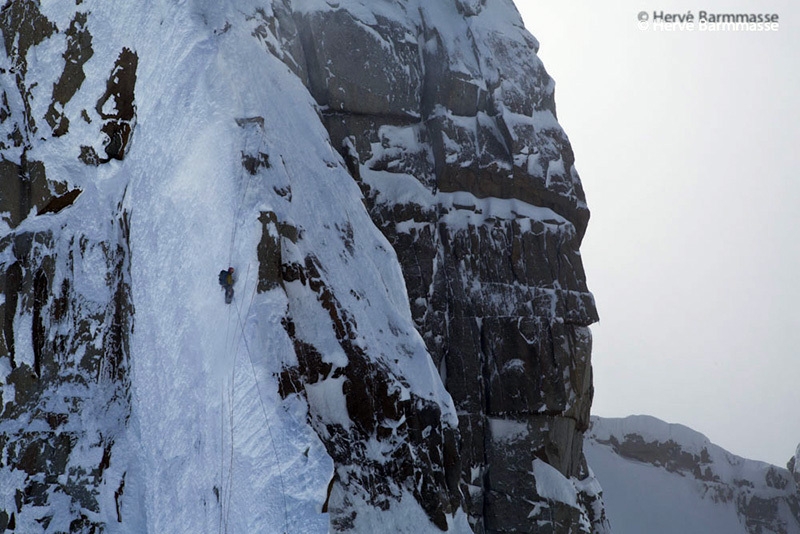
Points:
(226, 281)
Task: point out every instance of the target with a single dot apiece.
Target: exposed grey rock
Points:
(79, 50)
(444, 116)
(67, 397)
(69, 403)
(116, 106)
(793, 465)
(500, 299)
(353, 67)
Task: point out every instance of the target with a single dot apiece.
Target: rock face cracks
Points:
(439, 115)
(448, 125)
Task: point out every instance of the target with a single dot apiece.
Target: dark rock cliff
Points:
(66, 306)
(448, 124)
(444, 117)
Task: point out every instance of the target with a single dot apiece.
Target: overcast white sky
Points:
(688, 145)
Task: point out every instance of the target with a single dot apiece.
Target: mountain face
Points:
(666, 478)
(408, 346)
(470, 178)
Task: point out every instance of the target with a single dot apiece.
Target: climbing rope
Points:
(226, 486)
(247, 180)
(240, 337)
(261, 402)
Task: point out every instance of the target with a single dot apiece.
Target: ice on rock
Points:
(403, 215)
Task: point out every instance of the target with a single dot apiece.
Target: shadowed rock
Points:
(498, 295)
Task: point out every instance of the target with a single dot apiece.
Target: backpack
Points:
(223, 278)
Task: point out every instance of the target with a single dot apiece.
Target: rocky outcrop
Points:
(448, 124)
(722, 489)
(66, 303)
(793, 465)
(130, 136)
(66, 397)
(382, 412)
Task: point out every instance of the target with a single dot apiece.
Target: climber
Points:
(226, 281)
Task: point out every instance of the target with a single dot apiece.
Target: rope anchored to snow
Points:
(227, 282)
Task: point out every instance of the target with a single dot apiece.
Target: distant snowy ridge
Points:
(666, 478)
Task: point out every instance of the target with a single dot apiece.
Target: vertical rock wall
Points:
(446, 118)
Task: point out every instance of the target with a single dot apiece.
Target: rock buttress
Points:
(453, 138)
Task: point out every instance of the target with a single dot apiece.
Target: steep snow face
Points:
(665, 478)
(146, 146)
(149, 146)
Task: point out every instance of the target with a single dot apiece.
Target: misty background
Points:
(688, 145)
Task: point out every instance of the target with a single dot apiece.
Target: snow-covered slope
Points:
(145, 146)
(223, 156)
(666, 478)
